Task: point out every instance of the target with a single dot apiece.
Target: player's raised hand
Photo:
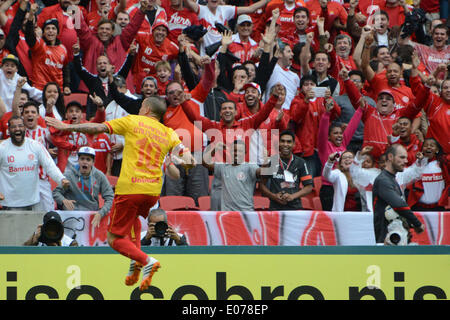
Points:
(55, 123)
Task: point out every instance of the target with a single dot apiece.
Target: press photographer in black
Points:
(160, 233)
(388, 194)
(51, 233)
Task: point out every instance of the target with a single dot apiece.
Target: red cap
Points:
(253, 85)
(160, 22)
(386, 91)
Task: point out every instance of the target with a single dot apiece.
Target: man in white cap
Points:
(86, 184)
(8, 82)
(243, 46)
(213, 13)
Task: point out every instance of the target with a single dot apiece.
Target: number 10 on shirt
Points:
(149, 154)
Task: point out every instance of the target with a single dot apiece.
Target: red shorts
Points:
(126, 208)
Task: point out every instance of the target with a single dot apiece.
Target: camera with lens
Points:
(161, 229)
(398, 234)
(52, 230)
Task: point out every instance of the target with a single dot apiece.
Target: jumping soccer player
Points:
(147, 142)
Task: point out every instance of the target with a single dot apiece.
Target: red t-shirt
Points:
(308, 115)
(430, 6)
(243, 50)
(334, 9)
(396, 15)
(67, 33)
(149, 54)
(178, 20)
(94, 17)
(402, 94)
(48, 62)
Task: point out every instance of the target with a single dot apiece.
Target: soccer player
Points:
(147, 142)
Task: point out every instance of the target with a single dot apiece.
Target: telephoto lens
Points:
(160, 229)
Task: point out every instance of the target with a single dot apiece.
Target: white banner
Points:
(286, 228)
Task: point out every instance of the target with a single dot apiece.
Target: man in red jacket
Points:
(436, 107)
(230, 128)
(105, 43)
(378, 121)
(306, 111)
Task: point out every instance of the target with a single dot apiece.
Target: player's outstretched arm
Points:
(89, 128)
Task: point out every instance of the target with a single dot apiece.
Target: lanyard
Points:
(281, 163)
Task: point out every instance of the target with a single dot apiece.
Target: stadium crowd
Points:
(326, 85)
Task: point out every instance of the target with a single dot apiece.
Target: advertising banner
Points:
(277, 228)
(230, 273)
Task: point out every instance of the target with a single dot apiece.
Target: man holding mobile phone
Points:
(306, 112)
(320, 67)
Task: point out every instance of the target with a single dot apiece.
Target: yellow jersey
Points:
(147, 141)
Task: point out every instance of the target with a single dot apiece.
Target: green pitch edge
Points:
(305, 250)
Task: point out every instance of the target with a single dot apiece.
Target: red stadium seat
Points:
(257, 190)
(204, 203)
(112, 180)
(306, 204)
(79, 97)
(317, 204)
(261, 203)
(448, 204)
(317, 185)
(177, 203)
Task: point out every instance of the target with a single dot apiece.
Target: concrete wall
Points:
(17, 226)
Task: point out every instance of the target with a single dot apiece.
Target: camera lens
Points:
(52, 231)
(395, 238)
(161, 228)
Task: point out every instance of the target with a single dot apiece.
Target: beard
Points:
(18, 141)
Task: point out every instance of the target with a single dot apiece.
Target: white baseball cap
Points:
(87, 151)
(244, 18)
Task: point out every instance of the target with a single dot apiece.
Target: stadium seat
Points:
(317, 204)
(79, 97)
(177, 203)
(448, 204)
(112, 180)
(204, 203)
(317, 185)
(306, 204)
(261, 203)
(257, 190)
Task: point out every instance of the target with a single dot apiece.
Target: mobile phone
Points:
(336, 156)
(319, 92)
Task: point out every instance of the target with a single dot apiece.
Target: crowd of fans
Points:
(255, 79)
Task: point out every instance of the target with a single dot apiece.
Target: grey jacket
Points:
(86, 191)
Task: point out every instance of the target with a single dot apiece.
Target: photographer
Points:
(160, 233)
(51, 233)
(387, 194)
